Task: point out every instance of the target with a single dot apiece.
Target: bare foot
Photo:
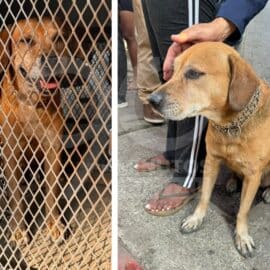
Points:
(153, 163)
(170, 200)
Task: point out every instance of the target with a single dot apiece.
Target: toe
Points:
(152, 203)
(145, 166)
(245, 245)
(190, 224)
(167, 206)
(160, 205)
(185, 226)
(148, 206)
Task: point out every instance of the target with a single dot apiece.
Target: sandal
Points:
(152, 164)
(186, 195)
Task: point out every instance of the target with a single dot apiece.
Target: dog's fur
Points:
(30, 115)
(212, 80)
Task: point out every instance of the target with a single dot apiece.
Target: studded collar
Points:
(234, 128)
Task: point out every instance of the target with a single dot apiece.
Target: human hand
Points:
(217, 30)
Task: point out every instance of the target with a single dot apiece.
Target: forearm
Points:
(240, 12)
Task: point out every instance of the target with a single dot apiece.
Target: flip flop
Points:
(163, 213)
(151, 164)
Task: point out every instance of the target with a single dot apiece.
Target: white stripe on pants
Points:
(198, 129)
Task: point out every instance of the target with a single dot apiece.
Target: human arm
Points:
(128, 33)
(232, 18)
(240, 13)
(217, 30)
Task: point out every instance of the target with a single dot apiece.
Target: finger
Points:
(187, 45)
(174, 50)
(188, 35)
(193, 34)
(180, 38)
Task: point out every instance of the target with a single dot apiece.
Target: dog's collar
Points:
(233, 129)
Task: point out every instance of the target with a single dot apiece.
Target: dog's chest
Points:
(27, 114)
(30, 121)
(237, 157)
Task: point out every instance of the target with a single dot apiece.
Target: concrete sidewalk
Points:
(155, 242)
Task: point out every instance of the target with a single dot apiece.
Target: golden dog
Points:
(30, 116)
(212, 80)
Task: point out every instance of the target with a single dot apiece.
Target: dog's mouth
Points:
(52, 76)
(48, 85)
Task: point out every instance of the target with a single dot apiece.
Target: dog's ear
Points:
(5, 49)
(243, 83)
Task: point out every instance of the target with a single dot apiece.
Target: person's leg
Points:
(190, 151)
(188, 156)
(189, 133)
(153, 38)
(157, 20)
(122, 72)
(165, 159)
(160, 26)
(147, 77)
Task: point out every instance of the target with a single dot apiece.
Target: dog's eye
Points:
(193, 74)
(27, 41)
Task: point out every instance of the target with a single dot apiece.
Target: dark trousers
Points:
(122, 70)
(185, 145)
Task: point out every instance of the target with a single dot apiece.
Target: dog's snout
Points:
(156, 99)
(53, 65)
(50, 60)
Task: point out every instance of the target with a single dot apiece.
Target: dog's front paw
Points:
(56, 232)
(266, 195)
(191, 224)
(19, 237)
(244, 244)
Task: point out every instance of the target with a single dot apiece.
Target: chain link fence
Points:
(55, 119)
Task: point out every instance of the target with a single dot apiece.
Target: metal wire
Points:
(55, 65)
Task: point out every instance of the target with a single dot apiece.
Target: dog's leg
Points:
(13, 176)
(244, 243)
(211, 169)
(52, 168)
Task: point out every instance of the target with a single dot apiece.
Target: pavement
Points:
(155, 242)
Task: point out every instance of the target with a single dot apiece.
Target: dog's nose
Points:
(156, 99)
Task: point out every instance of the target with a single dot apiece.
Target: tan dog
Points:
(30, 116)
(212, 80)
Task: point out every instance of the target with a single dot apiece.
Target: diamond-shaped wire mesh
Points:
(55, 119)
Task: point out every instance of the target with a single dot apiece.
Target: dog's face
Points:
(209, 78)
(35, 49)
(39, 56)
